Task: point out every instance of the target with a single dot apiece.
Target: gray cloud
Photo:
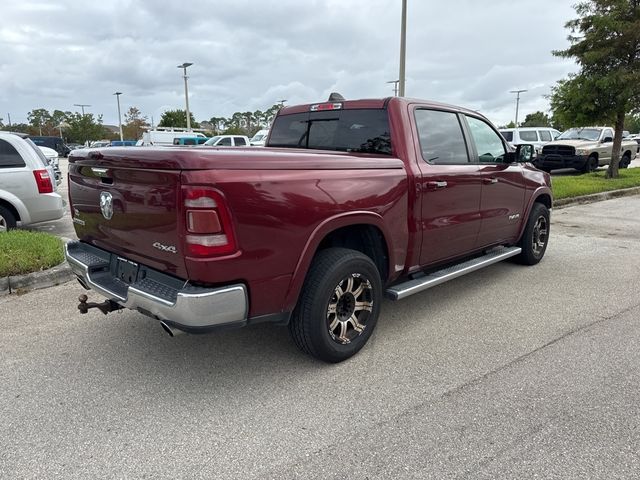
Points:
(247, 54)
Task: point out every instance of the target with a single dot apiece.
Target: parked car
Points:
(53, 159)
(585, 149)
(228, 141)
(536, 136)
(190, 140)
(100, 144)
(352, 200)
(123, 143)
(27, 187)
(259, 138)
(55, 143)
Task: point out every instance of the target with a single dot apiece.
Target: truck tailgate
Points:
(128, 211)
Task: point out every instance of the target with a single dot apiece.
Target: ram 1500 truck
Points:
(584, 149)
(349, 201)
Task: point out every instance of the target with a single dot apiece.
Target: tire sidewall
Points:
(538, 210)
(9, 219)
(332, 350)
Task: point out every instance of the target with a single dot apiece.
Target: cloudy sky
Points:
(248, 55)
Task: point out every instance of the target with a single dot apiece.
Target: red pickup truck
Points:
(350, 201)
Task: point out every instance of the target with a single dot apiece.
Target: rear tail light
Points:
(43, 180)
(209, 231)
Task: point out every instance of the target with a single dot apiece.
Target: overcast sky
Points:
(247, 55)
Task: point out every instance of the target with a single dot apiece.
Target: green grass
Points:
(575, 186)
(22, 251)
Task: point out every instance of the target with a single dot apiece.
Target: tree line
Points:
(75, 127)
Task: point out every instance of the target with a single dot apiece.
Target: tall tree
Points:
(177, 118)
(134, 124)
(605, 42)
(536, 119)
(85, 127)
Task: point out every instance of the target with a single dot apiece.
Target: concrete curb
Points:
(596, 197)
(34, 281)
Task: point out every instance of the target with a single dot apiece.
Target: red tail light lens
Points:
(207, 223)
(43, 180)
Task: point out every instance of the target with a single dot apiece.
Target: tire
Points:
(625, 161)
(7, 219)
(591, 165)
(535, 237)
(339, 305)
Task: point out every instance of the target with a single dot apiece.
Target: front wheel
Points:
(339, 305)
(625, 161)
(535, 238)
(591, 165)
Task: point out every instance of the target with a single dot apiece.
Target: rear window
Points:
(545, 136)
(529, 136)
(508, 136)
(363, 130)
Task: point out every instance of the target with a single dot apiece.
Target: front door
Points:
(503, 189)
(449, 187)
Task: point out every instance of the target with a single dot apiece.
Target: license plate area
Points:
(126, 270)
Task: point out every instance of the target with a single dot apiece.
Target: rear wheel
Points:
(339, 305)
(7, 219)
(535, 238)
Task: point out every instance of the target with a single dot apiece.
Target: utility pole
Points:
(186, 93)
(81, 105)
(517, 92)
(395, 86)
(9, 117)
(403, 47)
(117, 94)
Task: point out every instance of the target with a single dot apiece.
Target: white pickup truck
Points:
(584, 149)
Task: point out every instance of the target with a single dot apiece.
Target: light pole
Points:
(186, 92)
(395, 86)
(117, 94)
(403, 47)
(517, 92)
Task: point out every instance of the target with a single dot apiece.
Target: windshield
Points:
(363, 130)
(212, 140)
(591, 134)
(257, 137)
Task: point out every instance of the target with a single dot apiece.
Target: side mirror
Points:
(524, 153)
(607, 140)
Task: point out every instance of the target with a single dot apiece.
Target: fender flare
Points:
(319, 233)
(537, 193)
(16, 203)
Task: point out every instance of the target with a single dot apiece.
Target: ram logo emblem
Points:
(106, 205)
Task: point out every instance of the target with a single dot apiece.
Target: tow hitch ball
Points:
(105, 307)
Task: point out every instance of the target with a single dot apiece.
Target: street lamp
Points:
(403, 47)
(81, 105)
(395, 86)
(186, 92)
(117, 94)
(517, 92)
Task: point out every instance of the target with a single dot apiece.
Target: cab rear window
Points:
(360, 130)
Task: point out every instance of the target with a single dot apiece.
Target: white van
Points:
(536, 136)
(165, 136)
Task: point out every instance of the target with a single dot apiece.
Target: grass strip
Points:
(588, 183)
(22, 251)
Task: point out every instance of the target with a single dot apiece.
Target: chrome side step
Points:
(402, 290)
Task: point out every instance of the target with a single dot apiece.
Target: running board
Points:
(402, 290)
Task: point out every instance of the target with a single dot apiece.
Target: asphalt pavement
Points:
(509, 372)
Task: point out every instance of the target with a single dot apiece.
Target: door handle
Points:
(439, 184)
(490, 181)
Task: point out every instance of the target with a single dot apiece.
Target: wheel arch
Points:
(541, 195)
(15, 206)
(361, 231)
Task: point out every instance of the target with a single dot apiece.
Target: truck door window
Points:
(441, 138)
(239, 141)
(545, 136)
(225, 142)
(488, 143)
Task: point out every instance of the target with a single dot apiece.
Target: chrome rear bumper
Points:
(158, 295)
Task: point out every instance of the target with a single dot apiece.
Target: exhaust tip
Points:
(172, 332)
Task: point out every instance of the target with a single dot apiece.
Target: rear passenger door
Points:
(503, 190)
(239, 142)
(449, 187)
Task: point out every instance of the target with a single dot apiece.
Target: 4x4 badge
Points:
(106, 205)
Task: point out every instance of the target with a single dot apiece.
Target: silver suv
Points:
(27, 184)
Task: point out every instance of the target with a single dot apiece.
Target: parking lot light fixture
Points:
(186, 92)
(517, 92)
(117, 94)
